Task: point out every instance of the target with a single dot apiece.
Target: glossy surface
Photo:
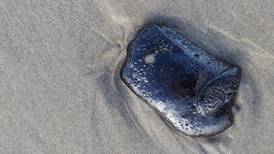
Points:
(191, 89)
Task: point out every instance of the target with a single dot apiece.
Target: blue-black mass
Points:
(191, 89)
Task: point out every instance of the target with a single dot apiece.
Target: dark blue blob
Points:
(190, 88)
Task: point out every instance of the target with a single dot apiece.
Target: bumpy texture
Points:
(190, 88)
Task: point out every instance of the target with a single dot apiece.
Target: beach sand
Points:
(60, 89)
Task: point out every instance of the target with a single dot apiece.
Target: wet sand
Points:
(60, 86)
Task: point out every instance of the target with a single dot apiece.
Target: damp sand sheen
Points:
(61, 89)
